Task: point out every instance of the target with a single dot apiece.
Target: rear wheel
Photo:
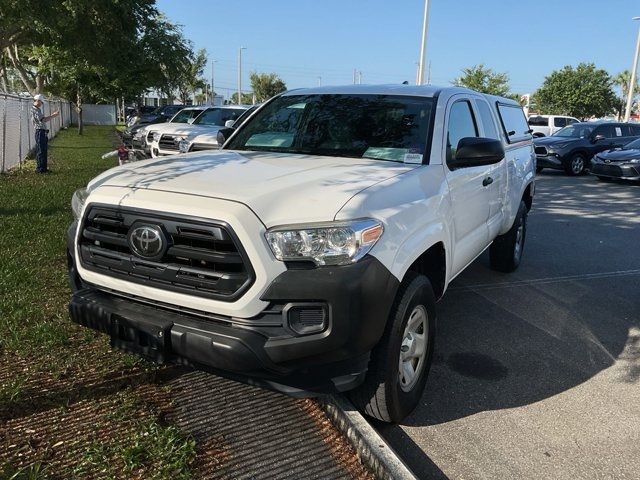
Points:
(506, 250)
(576, 165)
(603, 179)
(400, 362)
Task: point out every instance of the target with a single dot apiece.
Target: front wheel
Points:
(576, 165)
(506, 250)
(400, 362)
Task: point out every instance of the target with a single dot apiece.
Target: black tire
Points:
(539, 169)
(381, 396)
(575, 165)
(506, 250)
(603, 179)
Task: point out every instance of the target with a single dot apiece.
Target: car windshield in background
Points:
(635, 145)
(381, 127)
(182, 116)
(574, 131)
(218, 116)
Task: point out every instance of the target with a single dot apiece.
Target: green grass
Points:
(42, 350)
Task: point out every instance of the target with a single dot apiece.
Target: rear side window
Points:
(635, 130)
(560, 122)
(539, 121)
(487, 120)
(514, 122)
(462, 124)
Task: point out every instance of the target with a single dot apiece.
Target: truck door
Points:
(468, 187)
(498, 188)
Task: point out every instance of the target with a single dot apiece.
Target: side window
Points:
(514, 122)
(571, 121)
(635, 130)
(604, 130)
(559, 122)
(461, 124)
(539, 121)
(487, 120)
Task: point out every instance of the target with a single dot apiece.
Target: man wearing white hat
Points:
(42, 141)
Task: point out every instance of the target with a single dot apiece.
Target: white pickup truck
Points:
(307, 255)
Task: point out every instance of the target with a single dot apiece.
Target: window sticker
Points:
(618, 132)
(415, 158)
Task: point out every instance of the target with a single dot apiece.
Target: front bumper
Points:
(611, 170)
(263, 350)
(549, 161)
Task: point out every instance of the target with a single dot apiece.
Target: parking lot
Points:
(536, 374)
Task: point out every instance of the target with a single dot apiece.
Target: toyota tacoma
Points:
(307, 255)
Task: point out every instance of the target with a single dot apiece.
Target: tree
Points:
(623, 80)
(191, 78)
(485, 80)
(266, 85)
(582, 92)
(247, 98)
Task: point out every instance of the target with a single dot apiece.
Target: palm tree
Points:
(623, 80)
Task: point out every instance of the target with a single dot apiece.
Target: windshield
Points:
(217, 116)
(574, 131)
(632, 145)
(382, 127)
(183, 116)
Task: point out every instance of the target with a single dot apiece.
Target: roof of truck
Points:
(393, 89)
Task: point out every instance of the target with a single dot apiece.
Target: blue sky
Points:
(303, 39)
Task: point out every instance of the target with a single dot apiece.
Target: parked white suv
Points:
(546, 125)
(308, 253)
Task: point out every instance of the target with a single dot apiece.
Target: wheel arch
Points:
(433, 264)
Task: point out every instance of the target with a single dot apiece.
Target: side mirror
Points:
(223, 135)
(229, 123)
(474, 152)
(597, 138)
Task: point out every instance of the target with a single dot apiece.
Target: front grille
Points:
(167, 142)
(196, 147)
(607, 170)
(541, 150)
(202, 258)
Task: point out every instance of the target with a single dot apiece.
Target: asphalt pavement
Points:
(536, 374)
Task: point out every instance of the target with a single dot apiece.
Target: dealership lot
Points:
(537, 374)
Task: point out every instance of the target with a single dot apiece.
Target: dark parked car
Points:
(572, 148)
(158, 115)
(621, 163)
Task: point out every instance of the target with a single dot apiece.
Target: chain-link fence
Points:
(17, 136)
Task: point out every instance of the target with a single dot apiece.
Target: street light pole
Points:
(213, 90)
(632, 83)
(240, 74)
(423, 46)
(319, 80)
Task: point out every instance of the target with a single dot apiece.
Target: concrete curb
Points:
(373, 450)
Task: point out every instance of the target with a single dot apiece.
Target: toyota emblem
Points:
(147, 241)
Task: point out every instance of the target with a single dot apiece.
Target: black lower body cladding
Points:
(357, 299)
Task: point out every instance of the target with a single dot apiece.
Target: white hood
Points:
(279, 188)
(184, 129)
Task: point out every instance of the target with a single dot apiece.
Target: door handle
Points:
(487, 181)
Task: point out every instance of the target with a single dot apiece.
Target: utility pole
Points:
(213, 90)
(354, 76)
(423, 46)
(240, 74)
(417, 73)
(319, 80)
(429, 74)
(359, 77)
(632, 83)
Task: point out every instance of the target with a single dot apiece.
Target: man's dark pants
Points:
(42, 143)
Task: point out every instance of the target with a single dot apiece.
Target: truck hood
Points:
(552, 141)
(185, 129)
(279, 188)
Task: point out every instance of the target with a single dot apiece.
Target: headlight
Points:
(77, 202)
(635, 160)
(332, 243)
(156, 136)
(183, 146)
